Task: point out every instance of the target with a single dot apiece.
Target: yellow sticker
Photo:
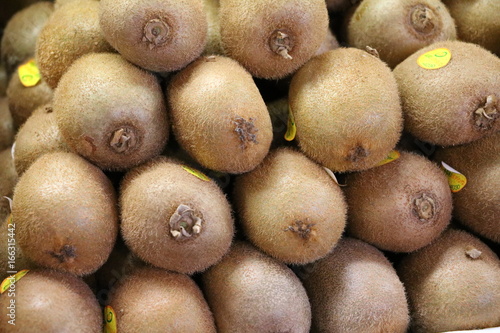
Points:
(109, 320)
(7, 282)
(434, 59)
(291, 129)
(196, 173)
(456, 180)
(29, 74)
(393, 155)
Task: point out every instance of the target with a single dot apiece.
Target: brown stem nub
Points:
(301, 229)
(185, 223)
(122, 140)
(372, 51)
(67, 253)
(486, 114)
(156, 32)
(422, 19)
(281, 44)
(424, 207)
(357, 153)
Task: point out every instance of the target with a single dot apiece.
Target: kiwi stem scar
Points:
(66, 254)
(422, 19)
(156, 33)
(281, 44)
(301, 228)
(486, 114)
(185, 223)
(246, 130)
(122, 140)
(424, 207)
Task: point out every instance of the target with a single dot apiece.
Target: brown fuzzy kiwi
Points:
(346, 108)
(156, 300)
(65, 210)
(452, 284)
(355, 289)
(477, 205)
(47, 301)
(4, 81)
(158, 35)
(37, 136)
(400, 206)
(398, 28)
(172, 219)
(214, 43)
(71, 32)
(249, 291)
(454, 104)
(111, 112)
(272, 39)
(18, 42)
(230, 131)
(290, 208)
(24, 100)
(477, 22)
(8, 180)
(7, 131)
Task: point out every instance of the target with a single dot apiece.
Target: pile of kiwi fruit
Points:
(262, 166)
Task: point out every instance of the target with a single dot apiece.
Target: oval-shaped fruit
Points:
(7, 131)
(8, 180)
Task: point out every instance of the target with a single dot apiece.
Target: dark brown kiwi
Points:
(111, 112)
(355, 289)
(7, 131)
(172, 219)
(158, 35)
(66, 214)
(454, 104)
(249, 291)
(400, 206)
(453, 284)
(8, 180)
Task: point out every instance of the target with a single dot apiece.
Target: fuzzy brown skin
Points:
(7, 131)
(290, 208)
(247, 27)
(396, 28)
(65, 213)
(452, 284)
(477, 22)
(156, 300)
(158, 35)
(440, 105)
(24, 100)
(149, 197)
(214, 43)
(19, 36)
(8, 180)
(229, 132)
(3, 80)
(249, 291)
(355, 289)
(37, 136)
(400, 206)
(346, 109)
(42, 296)
(111, 112)
(477, 205)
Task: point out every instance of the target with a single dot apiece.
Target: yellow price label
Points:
(196, 173)
(393, 155)
(456, 180)
(434, 59)
(29, 75)
(291, 129)
(109, 320)
(7, 282)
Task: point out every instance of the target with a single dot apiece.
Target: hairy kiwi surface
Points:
(7, 131)
(8, 180)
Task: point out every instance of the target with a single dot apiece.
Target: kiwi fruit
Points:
(19, 37)
(37, 136)
(7, 131)
(400, 206)
(4, 81)
(467, 272)
(156, 300)
(355, 289)
(249, 291)
(272, 39)
(111, 112)
(290, 208)
(346, 108)
(477, 205)
(454, 104)
(229, 132)
(172, 219)
(477, 22)
(71, 32)
(66, 215)
(49, 301)
(158, 35)
(8, 180)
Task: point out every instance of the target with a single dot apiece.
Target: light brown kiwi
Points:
(477, 205)
(272, 39)
(290, 208)
(249, 291)
(65, 210)
(229, 132)
(454, 104)
(346, 108)
(111, 112)
(153, 299)
(355, 289)
(467, 272)
(8, 180)
(71, 32)
(48, 301)
(172, 219)
(7, 131)
(158, 35)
